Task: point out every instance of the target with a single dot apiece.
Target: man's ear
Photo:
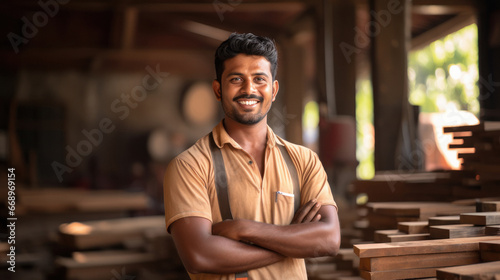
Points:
(276, 87)
(217, 89)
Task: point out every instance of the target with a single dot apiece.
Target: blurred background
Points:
(98, 96)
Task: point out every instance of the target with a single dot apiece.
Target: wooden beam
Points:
(389, 55)
(129, 28)
(456, 23)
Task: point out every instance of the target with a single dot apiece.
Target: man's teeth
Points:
(247, 102)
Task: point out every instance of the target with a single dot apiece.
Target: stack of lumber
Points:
(440, 227)
(107, 233)
(100, 249)
(411, 186)
(58, 200)
(417, 259)
(481, 271)
(489, 269)
(344, 266)
(483, 154)
(405, 221)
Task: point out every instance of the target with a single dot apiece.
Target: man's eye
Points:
(260, 79)
(236, 79)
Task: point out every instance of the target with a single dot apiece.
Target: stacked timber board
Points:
(412, 186)
(106, 248)
(417, 259)
(457, 240)
(483, 154)
(488, 270)
(344, 266)
(479, 148)
(405, 221)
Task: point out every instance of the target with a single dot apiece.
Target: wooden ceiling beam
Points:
(452, 25)
(443, 7)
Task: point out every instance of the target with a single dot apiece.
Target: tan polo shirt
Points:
(189, 190)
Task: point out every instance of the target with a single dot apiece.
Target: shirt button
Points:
(250, 162)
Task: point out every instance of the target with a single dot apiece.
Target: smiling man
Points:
(242, 203)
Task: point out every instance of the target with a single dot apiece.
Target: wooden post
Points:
(489, 59)
(390, 34)
(292, 91)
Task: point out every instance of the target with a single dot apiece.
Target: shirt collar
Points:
(221, 137)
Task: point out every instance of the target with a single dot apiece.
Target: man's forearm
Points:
(297, 240)
(202, 252)
(228, 256)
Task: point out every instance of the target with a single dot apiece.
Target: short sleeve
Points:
(314, 180)
(185, 193)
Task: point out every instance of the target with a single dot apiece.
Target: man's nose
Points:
(248, 86)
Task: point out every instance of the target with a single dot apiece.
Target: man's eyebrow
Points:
(253, 74)
(260, 74)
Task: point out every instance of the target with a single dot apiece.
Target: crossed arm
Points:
(207, 248)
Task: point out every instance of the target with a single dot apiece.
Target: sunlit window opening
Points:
(443, 83)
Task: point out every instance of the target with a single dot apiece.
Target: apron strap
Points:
(221, 186)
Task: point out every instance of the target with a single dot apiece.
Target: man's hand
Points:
(229, 228)
(232, 229)
(307, 213)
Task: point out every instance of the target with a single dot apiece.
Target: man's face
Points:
(247, 89)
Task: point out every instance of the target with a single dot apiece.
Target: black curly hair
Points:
(246, 43)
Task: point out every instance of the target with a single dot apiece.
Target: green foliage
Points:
(365, 136)
(443, 75)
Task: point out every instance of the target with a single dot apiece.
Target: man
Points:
(265, 239)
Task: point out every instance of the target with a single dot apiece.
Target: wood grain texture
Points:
(489, 256)
(417, 209)
(456, 231)
(493, 245)
(414, 227)
(421, 247)
(481, 218)
(488, 206)
(444, 220)
(492, 230)
(408, 237)
(468, 272)
(398, 274)
(419, 261)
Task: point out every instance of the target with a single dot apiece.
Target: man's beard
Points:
(246, 119)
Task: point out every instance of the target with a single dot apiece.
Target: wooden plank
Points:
(94, 234)
(456, 231)
(387, 222)
(346, 254)
(97, 265)
(382, 235)
(419, 261)
(421, 247)
(492, 230)
(444, 220)
(481, 218)
(408, 237)
(414, 227)
(489, 256)
(493, 245)
(417, 209)
(489, 206)
(468, 271)
(398, 274)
